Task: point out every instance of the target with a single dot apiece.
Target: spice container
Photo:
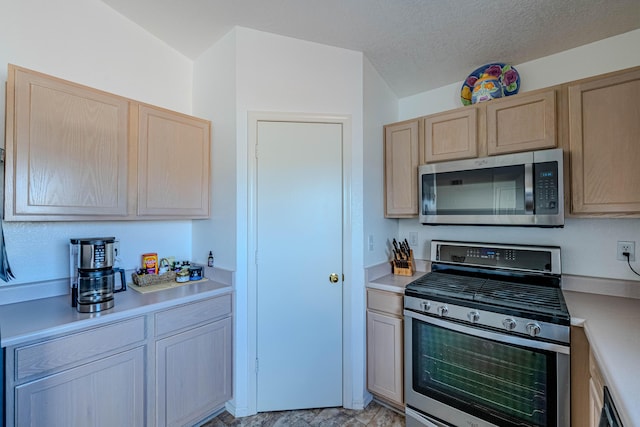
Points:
(182, 276)
(195, 272)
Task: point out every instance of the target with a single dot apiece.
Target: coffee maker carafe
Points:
(92, 274)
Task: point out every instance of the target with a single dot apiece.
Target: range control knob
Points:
(533, 329)
(443, 310)
(509, 324)
(473, 316)
(425, 305)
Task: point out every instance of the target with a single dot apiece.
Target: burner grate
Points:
(516, 295)
(448, 284)
(521, 296)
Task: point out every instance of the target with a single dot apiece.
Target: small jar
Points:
(182, 276)
(195, 272)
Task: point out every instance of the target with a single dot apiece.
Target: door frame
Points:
(252, 135)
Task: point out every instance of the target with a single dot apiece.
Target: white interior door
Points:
(299, 245)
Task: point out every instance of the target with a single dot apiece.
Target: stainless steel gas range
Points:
(487, 338)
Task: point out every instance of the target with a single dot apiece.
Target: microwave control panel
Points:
(546, 187)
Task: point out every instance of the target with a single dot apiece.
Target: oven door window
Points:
(492, 191)
(502, 383)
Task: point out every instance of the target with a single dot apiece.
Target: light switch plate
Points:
(413, 238)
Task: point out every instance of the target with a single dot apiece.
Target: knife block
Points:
(404, 267)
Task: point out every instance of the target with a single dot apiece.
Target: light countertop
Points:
(380, 277)
(393, 283)
(37, 319)
(612, 326)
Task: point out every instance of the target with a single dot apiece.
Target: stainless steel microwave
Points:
(522, 189)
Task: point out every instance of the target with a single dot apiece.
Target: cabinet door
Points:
(450, 136)
(401, 142)
(522, 123)
(108, 392)
(384, 356)
(173, 164)
(595, 402)
(604, 131)
(580, 376)
(193, 374)
(66, 149)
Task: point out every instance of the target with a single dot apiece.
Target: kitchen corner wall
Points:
(588, 245)
(263, 72)
(380, 108)
(87, 42)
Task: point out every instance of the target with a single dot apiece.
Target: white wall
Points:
(588, 245)
(380, 108)
(87, 42)
(214, 98)
(281, 74)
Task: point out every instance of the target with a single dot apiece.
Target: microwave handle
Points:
(528, 189)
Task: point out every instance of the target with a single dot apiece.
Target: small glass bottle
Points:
(210, 259)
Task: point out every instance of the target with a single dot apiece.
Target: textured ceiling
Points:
(415, 45)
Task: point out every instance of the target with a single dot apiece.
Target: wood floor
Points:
(373, 415)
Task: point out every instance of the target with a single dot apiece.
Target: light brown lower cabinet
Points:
(587, 383)
(107, 392)
(193, 365)
(166, 368)
(385, 346)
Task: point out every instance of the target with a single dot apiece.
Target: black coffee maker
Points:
(92, 274)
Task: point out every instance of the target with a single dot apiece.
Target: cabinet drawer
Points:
(385, 302)
(193, 314)
(61, 353)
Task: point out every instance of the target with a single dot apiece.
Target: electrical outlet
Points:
(413, 238)
(370, 242)
(629, 247)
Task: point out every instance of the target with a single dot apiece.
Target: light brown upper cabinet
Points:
(451, 135)
(525, 122)
(173, 164)
(401, 153)
(77, 153)
(66, 150)
(604, 143)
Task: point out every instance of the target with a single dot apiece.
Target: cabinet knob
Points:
(333, 278)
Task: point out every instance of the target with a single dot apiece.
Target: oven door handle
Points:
(481, 333)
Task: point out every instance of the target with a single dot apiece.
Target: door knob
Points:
(333, 278)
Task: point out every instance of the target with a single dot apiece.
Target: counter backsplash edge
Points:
(570, 282)
(10, 294)
(602, 286)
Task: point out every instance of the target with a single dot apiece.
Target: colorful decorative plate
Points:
(506, 74)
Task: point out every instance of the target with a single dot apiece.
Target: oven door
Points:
(460, 375)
